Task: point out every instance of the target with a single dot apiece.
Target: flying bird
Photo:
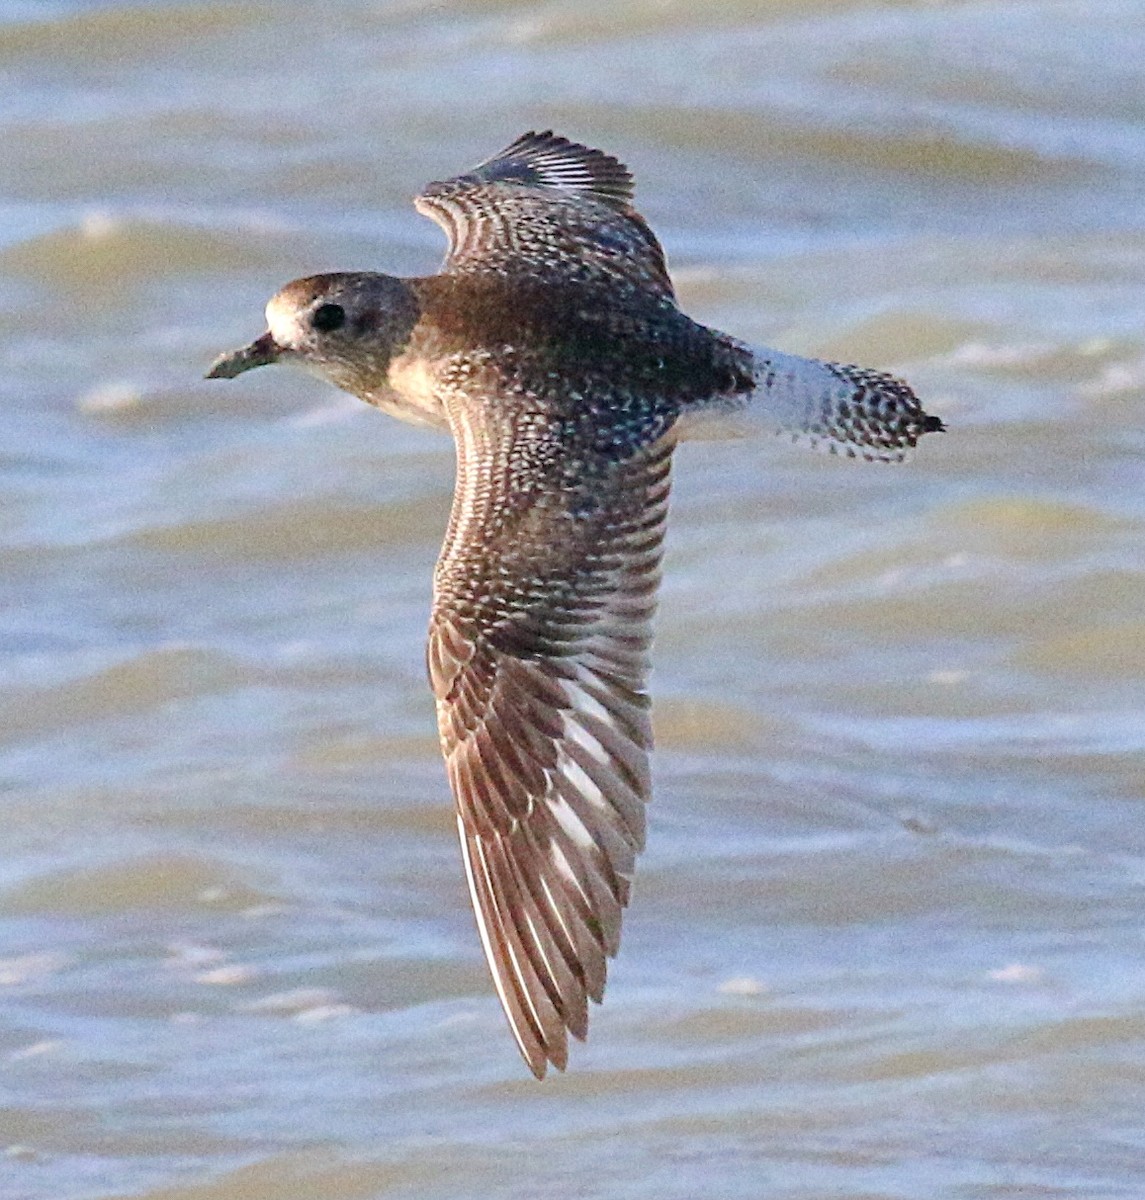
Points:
(551, 346)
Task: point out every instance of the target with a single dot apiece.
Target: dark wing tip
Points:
(933, 425)
(546, 159)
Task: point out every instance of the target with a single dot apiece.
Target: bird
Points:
(551, 346)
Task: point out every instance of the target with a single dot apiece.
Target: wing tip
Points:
(540, 1055)
(543, 158)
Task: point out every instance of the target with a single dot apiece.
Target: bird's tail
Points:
(849, 410)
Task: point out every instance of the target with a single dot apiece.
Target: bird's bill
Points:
(260, 353)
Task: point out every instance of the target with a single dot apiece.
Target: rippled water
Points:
(887, 939)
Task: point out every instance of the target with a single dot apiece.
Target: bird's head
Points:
(345, 327)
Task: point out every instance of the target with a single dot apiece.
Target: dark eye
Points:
(328, 317)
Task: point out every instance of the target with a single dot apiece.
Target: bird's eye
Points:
(328, 317)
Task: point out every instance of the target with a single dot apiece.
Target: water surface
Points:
(887, 937)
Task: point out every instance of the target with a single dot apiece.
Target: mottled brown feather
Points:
(540, 682)
(545, 201)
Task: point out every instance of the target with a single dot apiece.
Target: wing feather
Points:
(544, 720)
(548, 160)
(547, 206)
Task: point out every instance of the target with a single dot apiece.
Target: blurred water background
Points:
(887, 938)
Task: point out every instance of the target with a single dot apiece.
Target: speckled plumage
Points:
(551, 346)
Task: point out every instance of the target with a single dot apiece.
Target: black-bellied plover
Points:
(551, 346)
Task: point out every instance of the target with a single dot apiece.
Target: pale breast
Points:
(411, 394)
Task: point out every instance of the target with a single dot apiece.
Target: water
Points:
(887, 938)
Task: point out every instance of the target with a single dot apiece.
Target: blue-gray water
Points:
(888, 938)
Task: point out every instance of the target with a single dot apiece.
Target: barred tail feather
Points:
(850, 410)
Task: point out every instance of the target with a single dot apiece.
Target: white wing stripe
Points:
(571, 823)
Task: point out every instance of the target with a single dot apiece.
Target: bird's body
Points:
(552, 348)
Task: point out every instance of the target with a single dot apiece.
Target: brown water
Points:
(889, 933)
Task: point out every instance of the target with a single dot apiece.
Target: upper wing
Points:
(545, 205)
(538, 656)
